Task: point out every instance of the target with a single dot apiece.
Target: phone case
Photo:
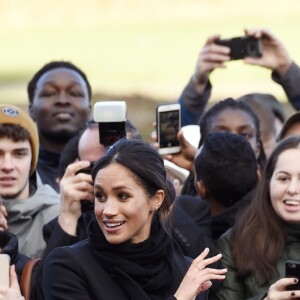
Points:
(292, 269)
(4, 270)
(168, 119)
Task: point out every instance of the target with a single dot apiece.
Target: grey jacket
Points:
(27, 217)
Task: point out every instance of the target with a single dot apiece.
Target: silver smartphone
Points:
(4, 270)
(168, 120)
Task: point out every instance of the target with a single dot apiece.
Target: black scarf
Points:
(148, 263)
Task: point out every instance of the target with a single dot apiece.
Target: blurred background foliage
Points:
(138, 50)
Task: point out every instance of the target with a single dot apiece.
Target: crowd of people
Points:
(112, 222)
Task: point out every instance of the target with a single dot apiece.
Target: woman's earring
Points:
(153, 210)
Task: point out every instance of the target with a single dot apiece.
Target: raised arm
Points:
(196, 94)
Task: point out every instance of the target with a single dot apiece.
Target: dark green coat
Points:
(248, 289)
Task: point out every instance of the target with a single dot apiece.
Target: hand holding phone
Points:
(292, 269)
(4, 270)
(241, 47)
(168, 121)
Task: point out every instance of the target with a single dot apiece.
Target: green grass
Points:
(137, 46)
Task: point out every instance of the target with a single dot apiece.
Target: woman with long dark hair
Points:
(267, 234)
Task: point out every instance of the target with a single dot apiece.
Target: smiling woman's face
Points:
(122, 207)
(285, 186)
(61, 104)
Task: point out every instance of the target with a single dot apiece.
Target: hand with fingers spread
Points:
(13, 292)
(198, 277)
(275, 55)
(3, 216)
(212, 56)
(74, 188)
(277, 291)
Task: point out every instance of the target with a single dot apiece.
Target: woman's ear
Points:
(157, 200)
(202, 190)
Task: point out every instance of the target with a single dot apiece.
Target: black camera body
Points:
(241, 47)
(111, 118)
(86, 205)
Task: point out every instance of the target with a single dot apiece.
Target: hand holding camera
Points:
(274, 55)
(75, 187)
(211, 56)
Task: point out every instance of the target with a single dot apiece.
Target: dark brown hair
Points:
(258, 235)
(14, 132)
(147, 166)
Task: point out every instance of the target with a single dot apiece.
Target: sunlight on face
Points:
(285, 186)
(122, 207)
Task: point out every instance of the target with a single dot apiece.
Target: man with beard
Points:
(59, 102)
(26, 204)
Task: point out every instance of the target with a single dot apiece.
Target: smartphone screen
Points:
(168, 122)
(4, 270)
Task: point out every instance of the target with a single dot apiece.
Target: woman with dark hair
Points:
(129, 253)
(266, 235)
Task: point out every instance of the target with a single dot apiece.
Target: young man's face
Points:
(61, 105)
(15, 161)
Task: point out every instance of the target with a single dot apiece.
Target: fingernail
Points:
(295, 280)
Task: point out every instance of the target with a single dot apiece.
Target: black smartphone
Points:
(86, 205)
(292, 269)
(168, 121)
(111, 117)
(241, 47)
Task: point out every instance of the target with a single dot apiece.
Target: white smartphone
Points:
(4, 270)
(168, 121)
(111, 117)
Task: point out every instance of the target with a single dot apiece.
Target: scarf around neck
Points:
(27, 217)
(148, 263)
